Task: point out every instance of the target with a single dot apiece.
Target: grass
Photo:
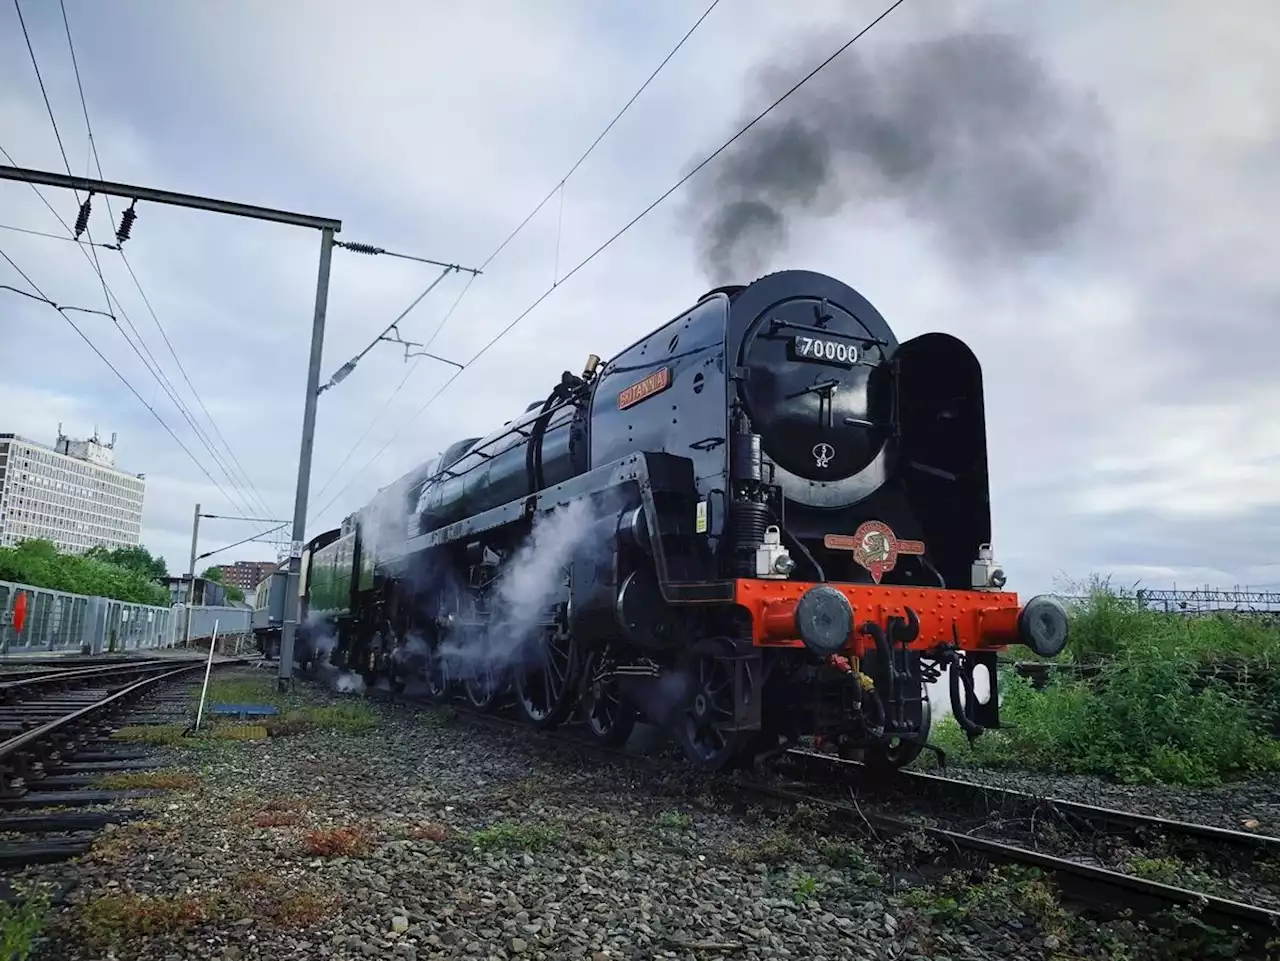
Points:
(349, 842)
(113, 919)
(149, 780)
(1138, 723)
(1148, 715)
(295, 717)
(678, 820)
(514, 837)
(1007, 893)
(21, 924)
(1111, 624)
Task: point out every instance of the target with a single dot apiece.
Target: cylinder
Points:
(746, 457)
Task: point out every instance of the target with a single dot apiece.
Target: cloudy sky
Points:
(1087, 195)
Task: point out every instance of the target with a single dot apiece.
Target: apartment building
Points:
(71, 494)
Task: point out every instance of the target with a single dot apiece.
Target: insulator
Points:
(126, 224)
(82, 220)
(364, 248)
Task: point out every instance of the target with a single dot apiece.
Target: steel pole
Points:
(292, 597)
(191, 578)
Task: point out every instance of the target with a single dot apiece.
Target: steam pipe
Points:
(958, 675)
(876, 633)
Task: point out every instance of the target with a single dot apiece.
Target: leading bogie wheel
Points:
(896, 752)
(699, 727)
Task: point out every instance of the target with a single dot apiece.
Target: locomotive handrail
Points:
(449, 473)
(777, 323)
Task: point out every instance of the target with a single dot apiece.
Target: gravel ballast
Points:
(429, 838)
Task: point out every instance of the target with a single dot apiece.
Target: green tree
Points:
(38, 563)
(133, 558)
(215, 574)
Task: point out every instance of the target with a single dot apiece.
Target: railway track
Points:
(972, 822)
(1085, 846)
(55, 748)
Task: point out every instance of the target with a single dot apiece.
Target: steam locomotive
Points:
(780, 528)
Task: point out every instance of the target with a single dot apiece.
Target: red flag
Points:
(20, 612)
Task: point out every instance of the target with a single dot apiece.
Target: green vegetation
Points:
(514, 837)
(296, 717)
(1112, 624)
(136, 559)
(38, 563)
(215, 574)
(1148, 714)
(21, 924)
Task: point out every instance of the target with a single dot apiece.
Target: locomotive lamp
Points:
(987, 576)
(772, 559)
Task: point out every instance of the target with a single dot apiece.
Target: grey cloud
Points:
(968, 132)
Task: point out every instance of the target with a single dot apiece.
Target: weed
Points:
(1170, 870)
(508, 837)
(429, 832)
(21, 924)
(805, 888)
(674, 819)
(162, 735)
(847, 856)
(276, 819)
(110, 919)
(149, 780)
(238, 732)
(279, 901)
(1140, 721)
(1006, 893)
(353, 717)
(289, 724)
(338, 842)
(298, 910)
(1111, 623)
(777, 847)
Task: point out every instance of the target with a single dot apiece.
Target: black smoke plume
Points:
(967, 133)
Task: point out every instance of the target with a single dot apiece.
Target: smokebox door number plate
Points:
(824, 351)
(655, 383)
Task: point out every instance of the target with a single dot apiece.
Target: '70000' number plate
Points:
(824, 351)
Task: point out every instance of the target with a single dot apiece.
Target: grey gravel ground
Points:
(481, 846)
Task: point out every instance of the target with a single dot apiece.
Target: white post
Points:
(213, 643)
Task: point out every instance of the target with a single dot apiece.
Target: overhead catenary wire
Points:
(43, 297)
(110, 296)
(122, 235)
(610, 241)
(49, 236)
(558, 189)
(82, 221)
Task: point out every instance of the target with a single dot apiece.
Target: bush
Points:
(39, 564)
(1141, 721)
(1113, 624)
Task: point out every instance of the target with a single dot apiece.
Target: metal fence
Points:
(230, 620)
(58, 622)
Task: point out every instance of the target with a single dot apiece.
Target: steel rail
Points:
(77, 674)
(1256, 844)
(1085, 882)
(29, 739)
